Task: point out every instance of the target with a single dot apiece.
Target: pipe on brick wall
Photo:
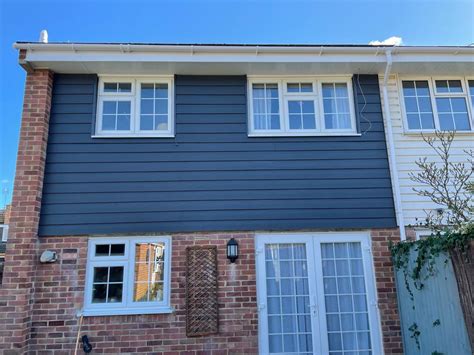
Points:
(391, 149)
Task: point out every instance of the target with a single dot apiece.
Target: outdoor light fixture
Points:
(232, 250)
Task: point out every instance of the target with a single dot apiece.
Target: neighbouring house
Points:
(219, 199)
(436, 99)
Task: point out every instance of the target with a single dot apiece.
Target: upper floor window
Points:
(135, 107)
(306, 106)
(128, 275)
(437, 103)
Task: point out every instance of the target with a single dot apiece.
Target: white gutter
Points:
(391, 149)
(194, 49)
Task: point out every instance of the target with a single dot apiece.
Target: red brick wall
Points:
(60, 288)
(17, 289)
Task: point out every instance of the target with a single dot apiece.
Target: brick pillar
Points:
(386, 289)
(16, 292)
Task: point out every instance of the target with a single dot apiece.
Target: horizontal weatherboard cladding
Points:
(211, 176)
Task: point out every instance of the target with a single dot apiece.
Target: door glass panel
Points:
(345, 298)
(288, 302)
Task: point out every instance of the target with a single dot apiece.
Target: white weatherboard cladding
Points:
(409, 147)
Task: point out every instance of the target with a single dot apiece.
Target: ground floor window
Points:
(128, 275)
(316, 294)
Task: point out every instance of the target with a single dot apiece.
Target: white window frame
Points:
(433, 95)
(127, 306)
(134, 98)
(313, 253)
(284, 96)
(4, 232)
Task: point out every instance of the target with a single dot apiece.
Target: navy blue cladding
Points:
(211, 176)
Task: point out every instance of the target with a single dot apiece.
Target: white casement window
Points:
(301, 106)
(128, 275)
(135, 107)
(4, 232)
(438, 103)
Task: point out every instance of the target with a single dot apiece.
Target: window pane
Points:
(307, 106)
(293, 87)
(459, 104)
(274, 122)
(328, 90)
(443, 105)
(116, 274)
(455, 85)
(341, 90)
(147, 91)
(258, 91)
(461, 121)
(146, 122)
(453, 114)
(109, 107)
(161, 106)
(149, 272)
(409, 88)
(124, 107)
(117, 249)
(266, 106)
(101, 274)
(99, 293)
(411, 104)
(422, 88)
(108, 122)
(336, 106)
(161, 122)
(110, 87)
(295, 122)
(161, 91)
(146, 106)
(123, 122)
(115, 293)
(272, 106)
(125, 87)
(418, 104)
(442, 86)
(271, 91)
(306, 87)
(102, 250)
(309, 121)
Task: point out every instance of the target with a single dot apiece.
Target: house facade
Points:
(138, 163)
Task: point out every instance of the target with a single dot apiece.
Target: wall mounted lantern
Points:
(232, 250)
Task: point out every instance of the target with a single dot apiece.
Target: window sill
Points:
(129, 311)
(302, 134)
(164, 135)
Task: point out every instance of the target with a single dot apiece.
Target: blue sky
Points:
(418, 22)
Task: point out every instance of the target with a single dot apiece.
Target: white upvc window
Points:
(4, 232)
(437, 103)
(128, 275)
(135, 107)
(307, 106)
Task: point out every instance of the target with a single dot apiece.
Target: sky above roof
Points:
(416, 22)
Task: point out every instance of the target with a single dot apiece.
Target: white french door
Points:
(316, 294)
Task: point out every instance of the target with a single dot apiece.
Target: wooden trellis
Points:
(202, 311)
